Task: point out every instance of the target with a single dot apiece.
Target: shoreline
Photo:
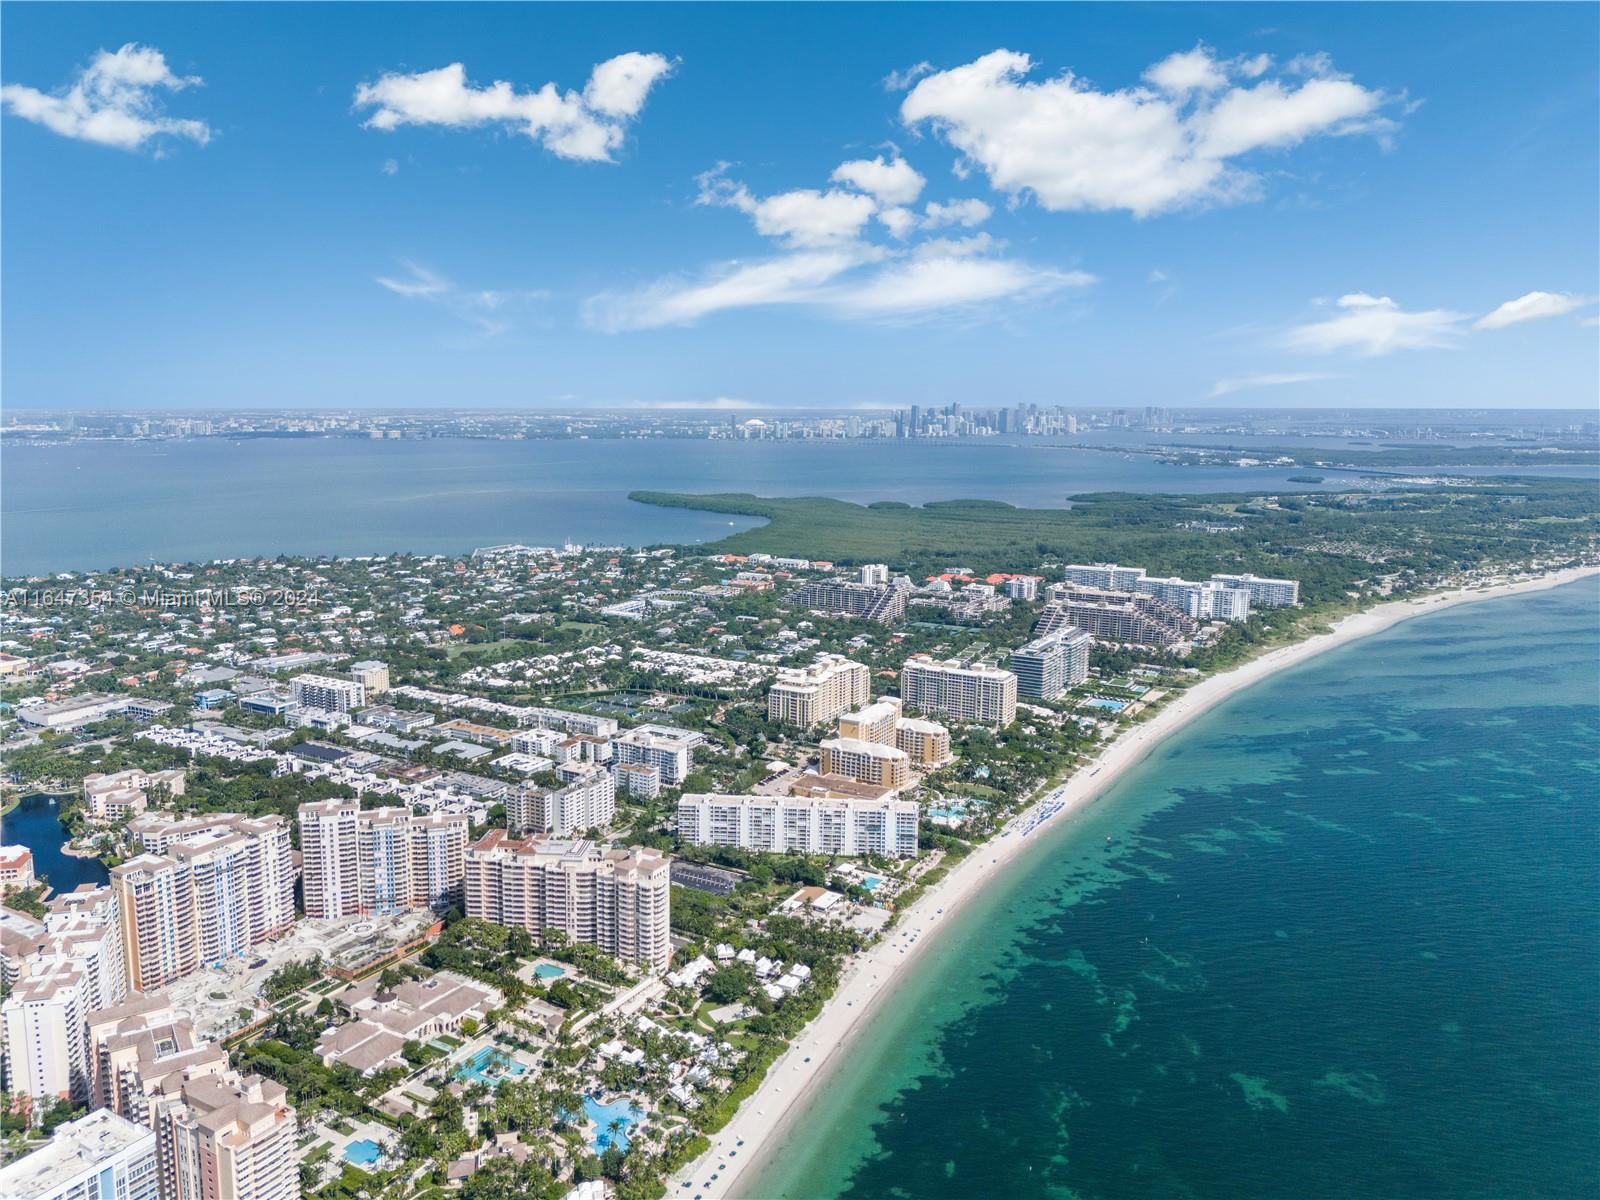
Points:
(792, 1081)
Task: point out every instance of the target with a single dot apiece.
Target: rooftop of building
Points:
(79, 1148)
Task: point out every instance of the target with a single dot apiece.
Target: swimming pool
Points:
(625, 1112)
(1108, 705)
(549, 971)
(490, 1066)
(363, 1153)
(872, 883)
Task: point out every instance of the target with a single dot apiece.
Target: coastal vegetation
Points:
(1332, 542)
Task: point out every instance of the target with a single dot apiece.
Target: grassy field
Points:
(1326, 540)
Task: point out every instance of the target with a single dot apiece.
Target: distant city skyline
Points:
(819, 209)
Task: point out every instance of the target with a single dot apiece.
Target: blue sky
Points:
(810, 206)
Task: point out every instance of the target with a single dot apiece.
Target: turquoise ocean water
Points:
(1340, 938)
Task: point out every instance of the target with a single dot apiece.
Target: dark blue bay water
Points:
(35, 823)
(102, 504)
(1340, 938)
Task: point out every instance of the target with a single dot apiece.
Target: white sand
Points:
(757, 1128)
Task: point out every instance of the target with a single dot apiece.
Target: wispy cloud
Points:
(114, 101)
(485, 309)
(588, 125)
(1376, 325)
(1535, 306)
(1245, 383)
(829, 262)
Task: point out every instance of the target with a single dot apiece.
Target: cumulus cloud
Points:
(115, 101)
(830, 265)
(587, 126)
(892, 182)
(1244, 383)
(804, 217)
(1375, 325)
(1535, 306)
(485, 309)
(957, 212)
(1155, 148)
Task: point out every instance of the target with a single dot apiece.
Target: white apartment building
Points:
(873, 573)
(74, 967)
(829, 687)
(1052, 663)
(669, 750)
(1221, 598)
(1264, 593)
(589, 801)
(811, 825)
(618, 900)
(379, 860)
(111, 797)
(46, 1053)
(327, 693)
(867, 762)
(975, 693)
(97, 1157)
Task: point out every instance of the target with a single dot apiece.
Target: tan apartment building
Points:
(618, 900)
(807, 696)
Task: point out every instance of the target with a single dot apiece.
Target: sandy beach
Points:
(737, 1152)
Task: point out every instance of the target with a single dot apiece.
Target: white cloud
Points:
(588, 127)
(829, 264)
(618, 86)
(477, 307)
(1188, 71)
(852, 282)
(390, 166)
(892, 182)
(899, 81)
(957, 212)
(796, 278)
(944, 278)
(805, 217)
(1242, 383)
(1535, 306)
(1146, 150)
(114, 101)
(1374, 325)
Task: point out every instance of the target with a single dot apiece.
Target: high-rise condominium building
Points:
(98, 1157)
(870, 601)
(211, 896)
(589, 801)
(379, 860)
(227, 1137)
(876, 574)
(808, 696)
(72, 965)
(140, 1051)
(1264, 593)
(1052, 663)
(975, 693)
(868, 762)
(1219, 599)
(810, 825)
(618, 900)
(1131, 618)
(925, 743)
(327, 693)
(669, 750)
(371, 675)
